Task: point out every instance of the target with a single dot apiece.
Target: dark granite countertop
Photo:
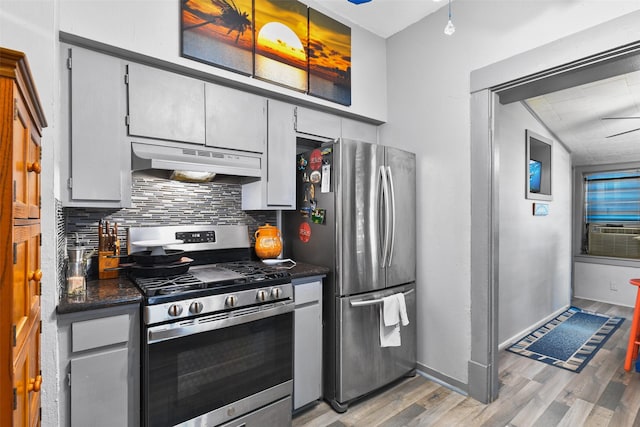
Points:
(114, 292)
(101, 294)
(302, 269)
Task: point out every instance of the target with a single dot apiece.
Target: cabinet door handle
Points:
(35, 384)
(35, 275)
(34, 167)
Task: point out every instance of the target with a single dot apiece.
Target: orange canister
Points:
(268, 242)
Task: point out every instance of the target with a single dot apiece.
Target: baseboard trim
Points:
(442, 379)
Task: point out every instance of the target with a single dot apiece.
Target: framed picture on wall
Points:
(329, 58)
(281, 43)
(538, 150)
(218, 32)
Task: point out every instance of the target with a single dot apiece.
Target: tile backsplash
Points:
(157, 201)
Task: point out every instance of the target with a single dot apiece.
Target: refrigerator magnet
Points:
(326, 178)
(317, 216)
(315, 177)
(315, 160)
(302, 163)
(304, 232)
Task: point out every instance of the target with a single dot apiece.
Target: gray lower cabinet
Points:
(100, 359)
(94, 157)
(307, 362)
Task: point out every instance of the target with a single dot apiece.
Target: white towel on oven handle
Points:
(393, 312)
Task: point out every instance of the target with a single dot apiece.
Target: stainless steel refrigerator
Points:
(357, 215)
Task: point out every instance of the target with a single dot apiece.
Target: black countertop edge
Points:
(302, 269)
(101, 294)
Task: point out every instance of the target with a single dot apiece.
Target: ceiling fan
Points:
(622, 118)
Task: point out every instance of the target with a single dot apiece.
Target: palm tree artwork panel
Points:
(280, 41)
(219, 32)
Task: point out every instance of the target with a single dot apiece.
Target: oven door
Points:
(212, 369)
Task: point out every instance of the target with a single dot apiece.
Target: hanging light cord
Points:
(449, 28)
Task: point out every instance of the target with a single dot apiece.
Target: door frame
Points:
(608, 49)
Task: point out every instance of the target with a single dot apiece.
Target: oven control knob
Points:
(195, 307)
(262, 295)
(276, 293)
(231, 301)
(175, 310)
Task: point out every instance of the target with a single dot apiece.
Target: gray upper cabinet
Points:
(235, 119)
(165, 105)
(276, 189)
(94, 159)
(360, 131)
(317, 123)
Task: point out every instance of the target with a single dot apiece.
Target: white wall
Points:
(608, 283)
(535, 251)
(428, 92)
(152, 27)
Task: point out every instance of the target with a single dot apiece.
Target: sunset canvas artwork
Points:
(329, 58)
(219, 32)
(281, 42)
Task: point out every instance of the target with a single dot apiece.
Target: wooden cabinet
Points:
(277, 188)
(95, 157)
(307, 363)
(100, 367)
(165, 105)
(22, 120)
(235, 119)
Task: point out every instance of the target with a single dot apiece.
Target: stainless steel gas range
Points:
(217, 329)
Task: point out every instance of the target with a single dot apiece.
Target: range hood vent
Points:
(197, 159)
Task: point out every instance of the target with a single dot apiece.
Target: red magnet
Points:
(315, 160)
(304, 232)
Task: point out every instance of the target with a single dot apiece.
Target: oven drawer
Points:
(275, 414)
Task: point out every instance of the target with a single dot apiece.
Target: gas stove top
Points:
(222, 277)
(211, 279)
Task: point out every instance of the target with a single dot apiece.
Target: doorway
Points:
(561, 71)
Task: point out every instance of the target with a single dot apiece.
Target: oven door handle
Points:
(216, 321)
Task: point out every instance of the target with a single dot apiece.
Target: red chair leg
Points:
(632, 347)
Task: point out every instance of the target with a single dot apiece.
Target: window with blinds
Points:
(612, 197)
(612, 213)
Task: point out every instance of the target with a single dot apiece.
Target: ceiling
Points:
(384, 17)
(574, 115)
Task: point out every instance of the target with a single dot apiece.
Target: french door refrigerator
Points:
(357, 215)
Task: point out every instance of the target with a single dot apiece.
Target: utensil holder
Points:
(107, 260)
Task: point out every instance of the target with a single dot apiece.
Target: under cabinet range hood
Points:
(195, 159)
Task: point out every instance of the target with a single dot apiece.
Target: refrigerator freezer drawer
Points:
(363, 365)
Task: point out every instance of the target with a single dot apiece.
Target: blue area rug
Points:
(570, 340)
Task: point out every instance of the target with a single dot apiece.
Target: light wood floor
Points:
(531, 394)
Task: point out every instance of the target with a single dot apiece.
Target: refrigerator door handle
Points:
(385, 198)
(392, 195)
(364, 303)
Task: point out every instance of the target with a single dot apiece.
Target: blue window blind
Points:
(612, 197)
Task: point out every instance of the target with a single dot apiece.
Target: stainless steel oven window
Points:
(195, 374)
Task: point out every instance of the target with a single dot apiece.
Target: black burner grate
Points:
(168, 285)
